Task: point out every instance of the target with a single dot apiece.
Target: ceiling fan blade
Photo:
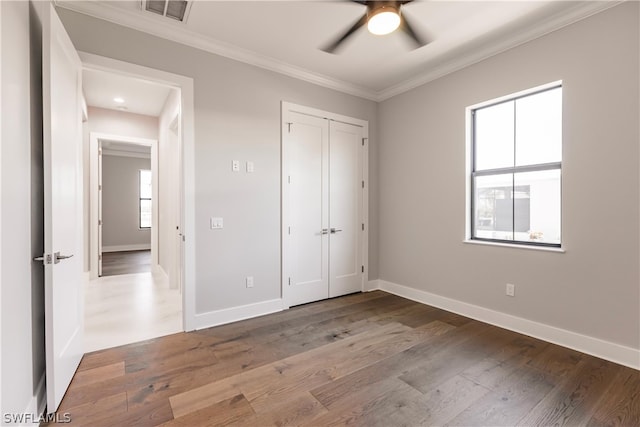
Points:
(418, 39)
(355, 27)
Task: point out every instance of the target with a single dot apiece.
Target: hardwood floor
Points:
(126, 262)
(370, 359)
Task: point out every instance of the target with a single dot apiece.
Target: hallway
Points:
(128, 308)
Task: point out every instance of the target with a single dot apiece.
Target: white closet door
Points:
(345, 209)
(308, 150)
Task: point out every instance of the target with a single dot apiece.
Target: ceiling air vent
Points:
(174, 9)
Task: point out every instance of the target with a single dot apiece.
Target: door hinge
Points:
(99, 187)
(46, 259)
(289, 179)
(289, 230)
(289, 126)
(363, 226)
(362, 184)
(99, 222)
(363, 140)
(99, 257)
(289, 281)
(363, 268)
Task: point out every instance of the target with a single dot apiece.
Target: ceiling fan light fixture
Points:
(383, 20)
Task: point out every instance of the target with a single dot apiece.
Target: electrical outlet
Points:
(216, 223)
(235, 166)
(249, 281)
(511, 290)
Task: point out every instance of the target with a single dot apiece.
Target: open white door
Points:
(62, 140)
(175, 140)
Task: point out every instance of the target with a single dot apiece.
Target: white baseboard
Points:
(613, 352)
(371, 285)
(37, 404)
(122, 248)
(157, 269)
(234, 314)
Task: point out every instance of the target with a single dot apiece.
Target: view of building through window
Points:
(145, 198)
(516, 171)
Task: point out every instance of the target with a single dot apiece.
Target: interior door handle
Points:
(57, 257)
(334, 231)
(324, 231)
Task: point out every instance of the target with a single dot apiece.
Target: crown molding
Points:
(155, 26)
(174, 32)
(562, 19)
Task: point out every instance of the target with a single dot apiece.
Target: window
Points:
(145, 199)
(516, 163)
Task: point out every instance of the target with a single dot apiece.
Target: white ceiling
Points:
(285, 36)
(140, 97)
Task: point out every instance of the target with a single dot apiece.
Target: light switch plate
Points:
(217, 223)
(250, 167)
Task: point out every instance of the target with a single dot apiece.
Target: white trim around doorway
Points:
(95, 139)
(185, 85)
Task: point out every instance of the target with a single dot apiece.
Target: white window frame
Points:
(140, 199)
(470, 153)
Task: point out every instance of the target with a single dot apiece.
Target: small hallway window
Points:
(145, 199)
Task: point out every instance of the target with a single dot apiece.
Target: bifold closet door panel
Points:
(309, 208)
(345, 208)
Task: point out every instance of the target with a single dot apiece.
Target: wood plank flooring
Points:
(126, 262)
(370, 359)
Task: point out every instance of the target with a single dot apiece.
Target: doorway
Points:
(324, 204)
(124, 169)
(134, 137)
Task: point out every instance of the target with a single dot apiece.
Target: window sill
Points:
(515, 246)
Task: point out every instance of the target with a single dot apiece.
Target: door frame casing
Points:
(186, 87)
(95, 138)
(285, 267)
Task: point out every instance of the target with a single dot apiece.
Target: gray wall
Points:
(122, 123)
(591, 289)
(120, 202)
(21, 208)
(237, 116)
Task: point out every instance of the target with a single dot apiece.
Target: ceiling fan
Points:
(382, 17)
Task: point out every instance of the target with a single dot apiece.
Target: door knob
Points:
(334, 231)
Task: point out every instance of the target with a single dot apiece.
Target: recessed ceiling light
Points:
(118, 100)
